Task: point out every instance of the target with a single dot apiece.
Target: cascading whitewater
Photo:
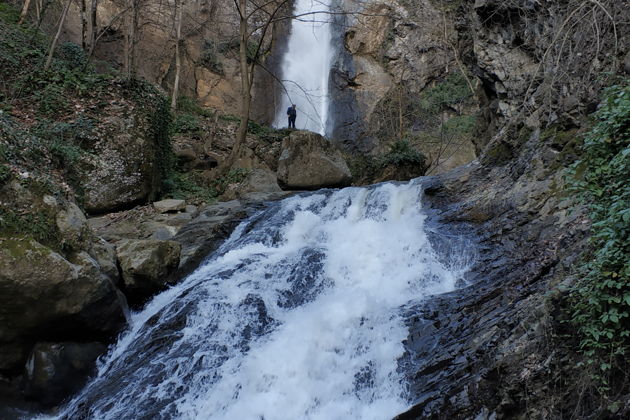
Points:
(306, 66)
(296, 316)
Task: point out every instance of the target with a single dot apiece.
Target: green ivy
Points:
(601, 299)
(40, 226)
(156, 108)
(186, 123)
(5, 173)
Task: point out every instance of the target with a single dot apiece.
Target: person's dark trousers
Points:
(291, 122)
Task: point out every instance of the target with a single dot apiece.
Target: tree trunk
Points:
(56, 38)
(83, 25)
(246, 97)
(127, 47)
(44, 7)
(131, 23)
(93, 27)
(27, 3)
(178, 64)
(133, 38)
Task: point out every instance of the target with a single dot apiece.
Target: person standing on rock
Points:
(292, 113)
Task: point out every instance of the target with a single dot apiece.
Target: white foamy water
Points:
(306, 67)
(296, 317)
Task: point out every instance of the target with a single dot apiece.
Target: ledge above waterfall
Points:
(308, 161)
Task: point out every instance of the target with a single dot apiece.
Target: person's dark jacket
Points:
(291, 112)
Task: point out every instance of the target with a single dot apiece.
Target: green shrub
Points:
(401, 153)
(5, 173)
(267, 133)
(190, 187)
(9, 13)
(601, 299)
(186, 123)
(230, 118)
(189, 105)
(450, 92)
(234, 176)
(72, 55)
(210, 59)
(460, 126)
(52, 100)
(364, 168)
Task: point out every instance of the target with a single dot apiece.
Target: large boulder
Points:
(169, 206)
(54, 371)
(44, 296)
(308, 161)
(124, 166)
(256, 181)
(146, 266)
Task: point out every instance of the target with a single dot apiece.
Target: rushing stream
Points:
(296, 316)
(306, 66)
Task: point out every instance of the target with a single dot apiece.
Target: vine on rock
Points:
(601, 299)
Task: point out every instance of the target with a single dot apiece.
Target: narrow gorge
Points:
(443, 235)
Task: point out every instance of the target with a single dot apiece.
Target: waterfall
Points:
(306, 66)
(297, 316)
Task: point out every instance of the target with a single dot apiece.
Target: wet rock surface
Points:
(54, 371)
(169, 206)
(485, 348)
(146, 266)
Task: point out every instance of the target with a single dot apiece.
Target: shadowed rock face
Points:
(43, 295)
(56, 370)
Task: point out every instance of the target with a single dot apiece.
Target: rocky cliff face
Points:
(503, 349)
(540, 62)
(384, 44)
(389, 56)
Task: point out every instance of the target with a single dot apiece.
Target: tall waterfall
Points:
(297, 316)
(306, 66)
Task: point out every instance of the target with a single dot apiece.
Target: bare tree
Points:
(55, 40)
(93, 27)
(246, 16)
(132, 21)
(25, 7)
(83, 15)
(178, 64)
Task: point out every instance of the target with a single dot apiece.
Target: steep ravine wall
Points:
(500, 347)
